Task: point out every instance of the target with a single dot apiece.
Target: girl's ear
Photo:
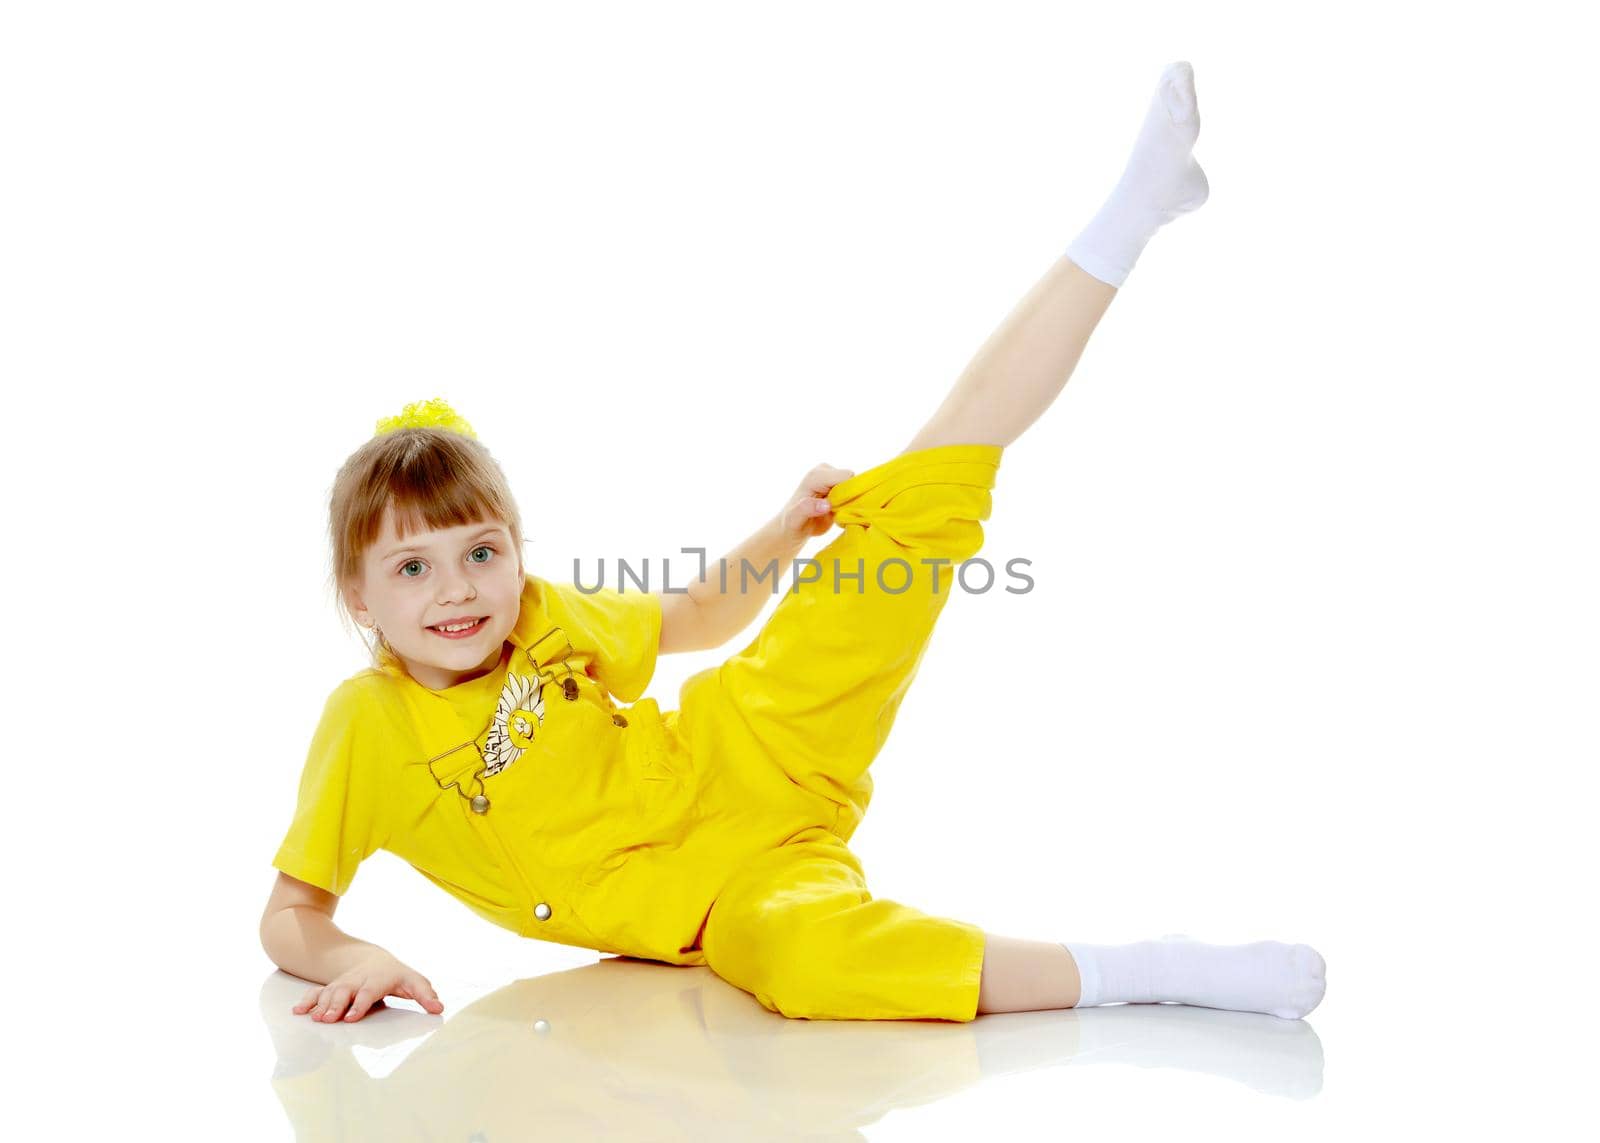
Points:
(353, 602)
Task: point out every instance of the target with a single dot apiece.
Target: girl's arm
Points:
(299, 936)
(709, 614)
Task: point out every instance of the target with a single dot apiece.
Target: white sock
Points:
(1162, 180)
(1266, 976)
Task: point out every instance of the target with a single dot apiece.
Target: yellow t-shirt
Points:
(574, 782)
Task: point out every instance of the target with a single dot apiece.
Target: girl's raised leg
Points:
(1025, 363)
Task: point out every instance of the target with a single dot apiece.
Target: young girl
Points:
(486, 746)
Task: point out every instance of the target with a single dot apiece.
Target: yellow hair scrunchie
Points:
(435, 413)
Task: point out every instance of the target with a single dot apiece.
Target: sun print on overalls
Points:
(518, 714)
(520, 711)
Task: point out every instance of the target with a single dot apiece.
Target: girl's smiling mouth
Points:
(463, 632)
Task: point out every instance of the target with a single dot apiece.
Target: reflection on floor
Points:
(637, 1049)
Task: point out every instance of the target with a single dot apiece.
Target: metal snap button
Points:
(619, 720)
(480, 804)
(542, 911)
(569, 687)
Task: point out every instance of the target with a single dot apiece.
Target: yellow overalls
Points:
(711, 834)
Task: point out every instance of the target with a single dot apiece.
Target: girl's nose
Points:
(457, 591)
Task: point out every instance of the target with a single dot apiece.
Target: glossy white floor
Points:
(625, 1049)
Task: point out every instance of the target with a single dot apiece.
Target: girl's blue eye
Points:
(481, 548)
(407, 564)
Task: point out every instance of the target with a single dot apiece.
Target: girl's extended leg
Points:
(1026, 976)
(1264, 976)
(797, 927)
(1026, 362)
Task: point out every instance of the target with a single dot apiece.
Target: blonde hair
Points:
(431, 478)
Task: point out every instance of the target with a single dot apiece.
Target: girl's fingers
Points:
(418, 989)
(321, 1003)
(805, 512)
(822, 478)
(363, 1001)
(809, 510)
(338, 1002)
(331, 1002)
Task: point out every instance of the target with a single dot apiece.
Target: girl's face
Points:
(412, 587)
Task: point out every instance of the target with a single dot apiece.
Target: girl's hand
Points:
(808, 513)
(363, 986)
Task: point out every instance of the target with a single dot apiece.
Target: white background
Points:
(1311, 651)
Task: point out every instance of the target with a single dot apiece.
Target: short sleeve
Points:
(621, 629)
(337, 820)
